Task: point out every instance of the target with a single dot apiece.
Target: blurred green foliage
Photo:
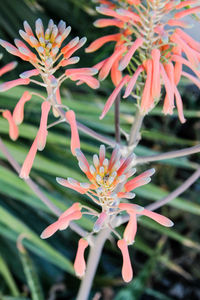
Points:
(162, 266)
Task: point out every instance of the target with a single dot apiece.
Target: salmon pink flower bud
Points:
(18, 113)
(131, 228)
(27, 165)
(147, 100)
(89, 80)
(126, 59)
(108, 22)
(109, 62)
(140, 180)
(186, 3)
(187, 12)
(130, 207)
(115, 74)
(75, 141)
(179, 105)
(156, 217)
(113, 96)
(79, 264)
(98, 43)
(127, 272)
(156, 85)
(132, 81)
(30, 73)
(10, 84)
(13, 129)
(133, 16)
(81, 71)
(169, 86)
(42, 132)
(76, 206)
(61, 224)
(74, 186)
(7, 68)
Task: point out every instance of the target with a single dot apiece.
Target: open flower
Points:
(149, 45)
(44, 50)
(109, 184)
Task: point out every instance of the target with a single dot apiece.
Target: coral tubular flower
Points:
(75, 141)
(127, 272)
(7, 68)
(113, 96)
(126, 59)
(10, 84)
(13, 129)
(79, 264)
(109, 183)
(61, 224)
(131, 228)
(18, 113)
(27, 165)
(42, 132)
(149, 43)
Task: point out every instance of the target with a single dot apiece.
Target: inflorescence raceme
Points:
(149, 48)
(109, 183)
(47, 56)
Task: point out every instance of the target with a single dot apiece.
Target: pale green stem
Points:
(135, 136)
(167, 155)
(92, 264)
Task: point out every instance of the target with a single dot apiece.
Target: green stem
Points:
(92, 264)
(135, 137)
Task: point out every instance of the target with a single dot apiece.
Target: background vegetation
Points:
(166, 261)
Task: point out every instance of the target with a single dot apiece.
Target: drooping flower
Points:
(79, 264)
(13, 129)
(45, 51)
(75, 141)
(7, 68)
(109, 183)
(127, 272)
(148, 40)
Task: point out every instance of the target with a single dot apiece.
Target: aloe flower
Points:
(150, 45)
(45, 51)
(109, 184)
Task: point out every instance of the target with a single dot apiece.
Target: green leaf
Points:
(38, 246)
(6, 274)
(30, 272)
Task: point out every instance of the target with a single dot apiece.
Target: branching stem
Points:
(92, 264)
(167, 155)
(135, 130)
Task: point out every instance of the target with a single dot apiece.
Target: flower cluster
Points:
(149, 45)
(47, 56)
(109, 183)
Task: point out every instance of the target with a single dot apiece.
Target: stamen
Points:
(101, 171)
